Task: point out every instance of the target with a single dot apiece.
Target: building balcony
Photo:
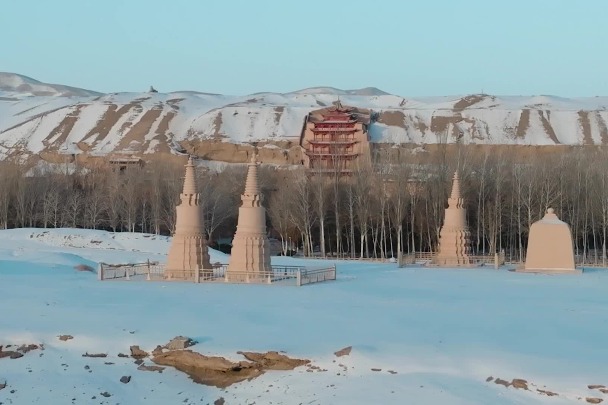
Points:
(330, 129)
(332, 142)
(336, 120)
(330, 170)
(337, 155)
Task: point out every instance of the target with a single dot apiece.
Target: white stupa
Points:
(250, 255)
(188, 252)
(550, 247)
(454, 237)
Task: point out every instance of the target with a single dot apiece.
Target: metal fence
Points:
(287, 275)
(429, 258)
(589, 261)
(310, 276)
(150, 270)
(347, 257)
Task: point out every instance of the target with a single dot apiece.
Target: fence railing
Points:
(316, 275)
(348, 258)
(218, 273)
(579, 261)
(125, 271)
(497, 259)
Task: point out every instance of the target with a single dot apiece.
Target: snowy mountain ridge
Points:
(11, 82)
(36, 117)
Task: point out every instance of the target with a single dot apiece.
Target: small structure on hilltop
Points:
(250, 255)
(454, 237)
(188, 252)
(550, 248)
(336, 139)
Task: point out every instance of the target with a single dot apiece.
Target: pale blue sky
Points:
(410, 48)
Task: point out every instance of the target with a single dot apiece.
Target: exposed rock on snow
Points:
(19, 352)
(547, 393)
(220, 372)
(343, 352)
(65, 337)
(29, 348)
(500, 381)
(179, 343)
(137, 353)
(143, 367)
(273, 360)
(519, 384)
(87, 354)
(208, 370)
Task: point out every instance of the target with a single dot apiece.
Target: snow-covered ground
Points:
(441, 332)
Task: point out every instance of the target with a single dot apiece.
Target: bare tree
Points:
(301, 212)
(365, 190)
(399, 176)
(321, 193)
(279, 210)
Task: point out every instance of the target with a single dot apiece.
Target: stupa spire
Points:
(252, 187)
(189, 179)
(455, 199)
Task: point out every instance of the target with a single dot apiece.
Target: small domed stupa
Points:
(550, 248)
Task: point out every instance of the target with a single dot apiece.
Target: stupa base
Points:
(549, 271)
(183, 275)
(248, 277)
(462, 261)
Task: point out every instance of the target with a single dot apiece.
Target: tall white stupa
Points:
(250, 255)
(188, 252)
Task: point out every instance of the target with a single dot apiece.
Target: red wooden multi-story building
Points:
(336, 140)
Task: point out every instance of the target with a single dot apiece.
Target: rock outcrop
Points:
(220, 372)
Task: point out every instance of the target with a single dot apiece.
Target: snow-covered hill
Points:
(35, 117)
(11, 82)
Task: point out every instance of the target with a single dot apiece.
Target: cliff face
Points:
(65, 120)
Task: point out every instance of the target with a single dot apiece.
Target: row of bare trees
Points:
(134, 200)
(399, 205)
(394, 206)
